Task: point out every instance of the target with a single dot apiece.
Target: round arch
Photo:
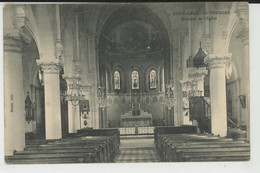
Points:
(117, 17)
(31, 26)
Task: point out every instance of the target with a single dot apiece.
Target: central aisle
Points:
(137, 149)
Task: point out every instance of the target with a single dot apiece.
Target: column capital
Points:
(217, 60)
(16, 41)
(50, 66)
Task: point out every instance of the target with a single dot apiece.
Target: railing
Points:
(233, 123)
(125, 131)
(200, 111)
(207, 107)
(208, 113)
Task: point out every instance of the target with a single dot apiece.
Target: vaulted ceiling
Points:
(133, 29)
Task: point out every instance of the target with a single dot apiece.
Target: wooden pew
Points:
(188, 147)
(83, 147)
(76, 154)
(108, 147)
(100, 132)
(103, 142)
(106, 143)
(214, 153)
(216, 156)
(81, 152)
(11, 160)
(103, 132)
(169, 140)
(93, 151)
(217, 152)
(184, 129)
(49, 158)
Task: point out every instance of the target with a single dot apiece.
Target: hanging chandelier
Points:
(74, 93)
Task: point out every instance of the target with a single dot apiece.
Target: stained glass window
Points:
(152, 79)
(135, 80)
(117, 80)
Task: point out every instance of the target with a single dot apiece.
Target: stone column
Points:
(93, 71)
(216, 64)
(73, 106)
(14, 119)
(51, 69)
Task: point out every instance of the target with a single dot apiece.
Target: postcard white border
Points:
(252, 166)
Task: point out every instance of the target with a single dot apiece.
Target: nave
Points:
(168, 144)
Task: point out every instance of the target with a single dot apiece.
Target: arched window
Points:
(152, 79)
(135, 80)
(117, 80)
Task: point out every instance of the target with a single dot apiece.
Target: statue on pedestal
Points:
(28, 108)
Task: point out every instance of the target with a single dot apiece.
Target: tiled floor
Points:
(137, 149)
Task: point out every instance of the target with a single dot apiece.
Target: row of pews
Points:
(182, 144)
(87, 146)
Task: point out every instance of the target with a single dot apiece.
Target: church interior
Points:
(139, 82)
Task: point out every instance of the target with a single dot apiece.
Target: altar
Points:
(143, 120)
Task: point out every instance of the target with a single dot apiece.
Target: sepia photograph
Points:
(126, 82)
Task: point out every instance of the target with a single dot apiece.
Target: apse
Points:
(134, 37)
(133, 63)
